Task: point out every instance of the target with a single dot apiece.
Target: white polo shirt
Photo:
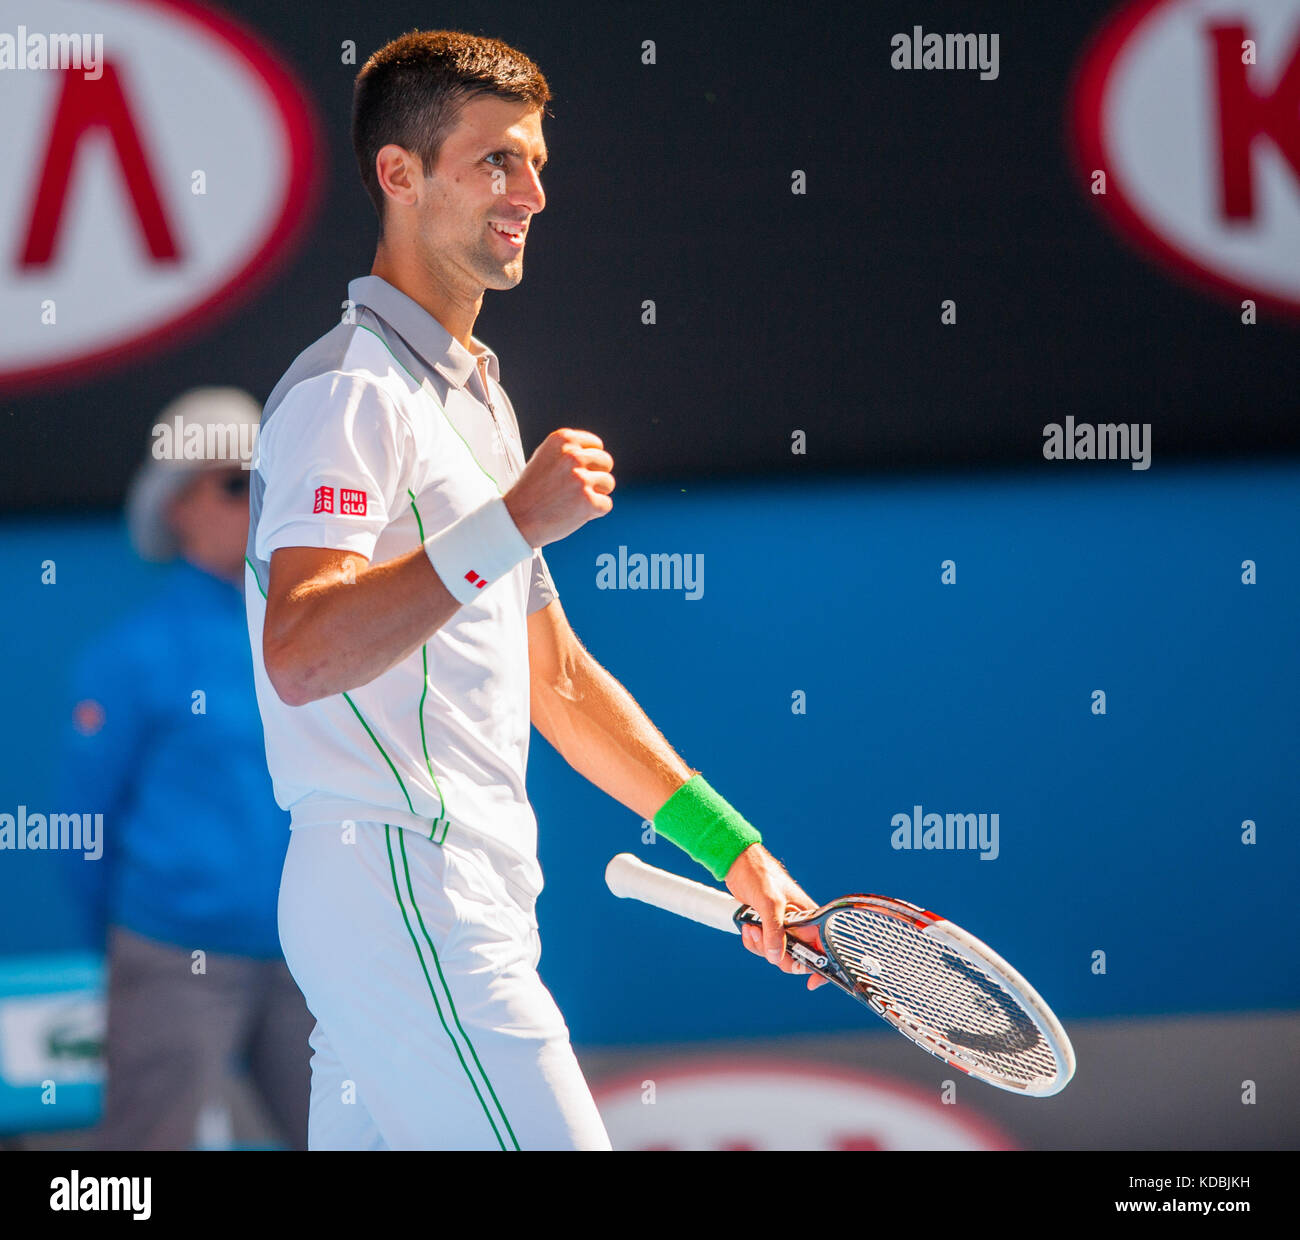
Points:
(384, 432)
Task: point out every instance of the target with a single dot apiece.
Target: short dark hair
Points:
(412, 90)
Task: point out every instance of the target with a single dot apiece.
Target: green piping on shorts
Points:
(401, 844)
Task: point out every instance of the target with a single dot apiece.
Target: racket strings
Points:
(939, 998)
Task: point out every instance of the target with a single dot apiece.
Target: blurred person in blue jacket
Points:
(167, 744)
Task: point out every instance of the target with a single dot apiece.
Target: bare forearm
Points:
(598, 728)
(346, 625)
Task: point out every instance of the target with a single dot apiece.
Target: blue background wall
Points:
(1119, 832)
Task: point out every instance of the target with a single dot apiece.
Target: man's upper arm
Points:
(333, 459)
(292, 567)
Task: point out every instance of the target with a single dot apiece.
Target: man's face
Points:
(210, 518)
(486, 184)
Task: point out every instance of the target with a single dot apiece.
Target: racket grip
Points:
(629, 878)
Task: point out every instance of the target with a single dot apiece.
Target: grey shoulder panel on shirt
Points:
(318, 358)
(541, 585)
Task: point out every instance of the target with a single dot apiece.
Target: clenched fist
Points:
(566, 482)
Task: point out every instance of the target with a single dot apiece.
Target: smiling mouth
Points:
(512, 234)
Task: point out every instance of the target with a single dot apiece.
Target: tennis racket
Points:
(932, 981)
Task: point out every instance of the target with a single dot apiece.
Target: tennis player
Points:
(406, 631)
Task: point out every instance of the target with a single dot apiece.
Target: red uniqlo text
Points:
(352, 503)
(324, 500)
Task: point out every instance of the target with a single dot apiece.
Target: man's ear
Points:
(399, 172)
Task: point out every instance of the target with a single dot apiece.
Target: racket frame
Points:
(824, 963)
(628, 877)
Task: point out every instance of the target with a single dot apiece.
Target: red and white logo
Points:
(352, 503)
(774, 1104)
(88, 717)
(324, 500)
(145, 196)
(1191, 109)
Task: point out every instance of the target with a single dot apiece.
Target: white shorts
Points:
(433, 1029)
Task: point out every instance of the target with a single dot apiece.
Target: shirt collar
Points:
(442, 351)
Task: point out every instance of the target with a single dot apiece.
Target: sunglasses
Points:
(234, 485)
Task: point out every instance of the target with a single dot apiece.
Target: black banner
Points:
(878, 225)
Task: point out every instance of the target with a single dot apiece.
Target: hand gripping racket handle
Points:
(629, 878)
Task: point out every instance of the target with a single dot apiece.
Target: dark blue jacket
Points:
(193, 838)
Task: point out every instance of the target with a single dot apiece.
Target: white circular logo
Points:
(1190, 111)
(775, 1104)
(157, 158)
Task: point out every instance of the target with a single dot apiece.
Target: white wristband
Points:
(473, 552)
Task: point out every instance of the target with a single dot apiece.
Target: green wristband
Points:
(700, 822)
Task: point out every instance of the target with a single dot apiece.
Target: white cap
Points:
(177, 454)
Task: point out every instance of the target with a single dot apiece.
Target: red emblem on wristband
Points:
(475, 580)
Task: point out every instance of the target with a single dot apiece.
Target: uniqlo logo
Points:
(352, 503)
(324, 499)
